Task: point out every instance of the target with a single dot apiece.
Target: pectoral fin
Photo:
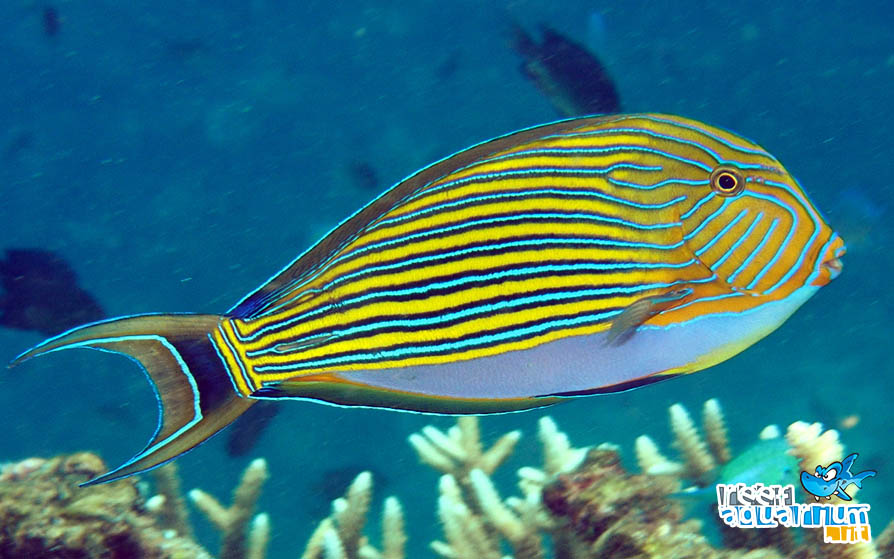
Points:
(626, 323)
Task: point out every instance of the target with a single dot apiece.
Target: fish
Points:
(41, 293)
(834, 479)
(767, 462)
(490, 281)
(52, 23)
(572, 78)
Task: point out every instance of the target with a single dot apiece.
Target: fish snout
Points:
(830, 262)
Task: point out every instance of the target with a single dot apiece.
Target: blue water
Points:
(179, 153)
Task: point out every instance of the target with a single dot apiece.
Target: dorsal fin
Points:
(256, 301)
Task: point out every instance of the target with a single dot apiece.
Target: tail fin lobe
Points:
(195, 396)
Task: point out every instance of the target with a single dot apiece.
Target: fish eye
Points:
(830, 475)
(727, 181)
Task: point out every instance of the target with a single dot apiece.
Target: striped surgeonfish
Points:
(586, 256)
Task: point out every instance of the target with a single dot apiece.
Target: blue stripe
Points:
(699, 204)
(484, 309)
(757, 250)
(691, 143)
(688, 182)
(384, 354)
(783, 246)
(724, 141)
(721, 233)
(237, 359)
(533, 171)
(707, 220)
(451, 284)
(477, 311)
(486, 221)
(805, 250)
(642, 149)
(223, 360)
(738, 243)
(533, 243)
(509, 195)
(535, 152)
(263, 304)
(696, 301)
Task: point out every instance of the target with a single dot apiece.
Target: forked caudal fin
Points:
(195, 396)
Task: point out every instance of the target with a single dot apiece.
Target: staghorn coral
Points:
(700, 463)
(44, 514)
(474, 517)
(460, 450)
(168, 503)
(582, 498)
(339, 536)
(715, 431)
(240, 536)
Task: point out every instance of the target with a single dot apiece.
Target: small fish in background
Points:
(19, 142)
(447, 68)
(767, 461)
(363, 175)
(41, 293)
(52, 24)
(571, 77)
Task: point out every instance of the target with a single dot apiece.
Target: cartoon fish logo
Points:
(834, 479)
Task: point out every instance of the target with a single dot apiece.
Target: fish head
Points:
(750, 221)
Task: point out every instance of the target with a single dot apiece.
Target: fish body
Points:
(573, 79)
(499, 279)
(834, 479)
(767, 461)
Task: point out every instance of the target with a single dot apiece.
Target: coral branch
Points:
(715, 431)
(459, 450)
(339, 536)
(233, 522)
(699, 462)
(172, 513)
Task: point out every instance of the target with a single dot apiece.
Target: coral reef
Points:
(581, 503)
(44, 514)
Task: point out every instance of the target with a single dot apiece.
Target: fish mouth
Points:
(834, 267)
(830, 265)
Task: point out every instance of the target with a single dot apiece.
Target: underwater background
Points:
(179, 153)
